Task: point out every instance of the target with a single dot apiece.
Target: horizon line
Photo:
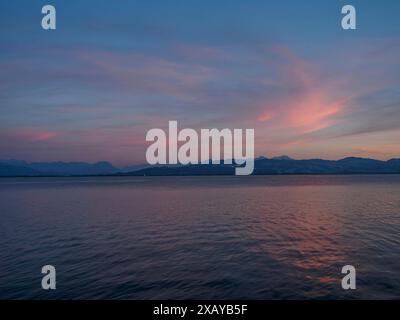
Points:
(281, 157)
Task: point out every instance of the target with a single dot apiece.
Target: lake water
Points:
(262, 237)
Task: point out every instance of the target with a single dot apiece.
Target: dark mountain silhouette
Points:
(281, 158)
(394, 162)
(262, 166)
(62, 168)
(7, 170)
(187, 170)
(283, 165)
(144, 166)
(75, 168)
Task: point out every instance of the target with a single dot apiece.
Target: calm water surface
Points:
(270, 237)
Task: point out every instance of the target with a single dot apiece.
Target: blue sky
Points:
(91, 89)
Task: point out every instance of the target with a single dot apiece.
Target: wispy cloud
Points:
(31, 135)
(307, 92)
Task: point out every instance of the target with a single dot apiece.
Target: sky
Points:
(111, 71)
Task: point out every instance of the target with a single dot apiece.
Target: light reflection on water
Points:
(265, 237)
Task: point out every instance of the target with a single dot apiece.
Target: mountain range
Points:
(262, 166)
(59, 168)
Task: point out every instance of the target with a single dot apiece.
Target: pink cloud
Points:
(308, 105)
(30, 134)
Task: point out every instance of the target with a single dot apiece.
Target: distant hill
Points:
(281, 158)
(188, 170)
(58, 168)
(12, 171)
(262, 166)
(282, 165)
